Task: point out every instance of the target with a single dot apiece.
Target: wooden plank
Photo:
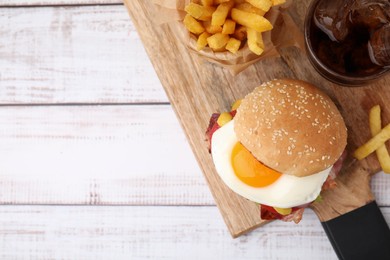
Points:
(25, 3)
(89, 54)
(102, 155)
(196, 89)
(151, 232)
(97, 155)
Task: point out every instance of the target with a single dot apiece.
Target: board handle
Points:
(360, 234)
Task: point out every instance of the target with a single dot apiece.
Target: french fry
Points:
(212, 29)
(373, 144)
(220, 14)
(240, 33)
(233, 45)
(375, 127)
(217, 2)
(201, 43)
(193, 25)
(207, 2)
(229, 26)
(194, 10)
(278, 2)
(224, 118)
(217, 41)
(283, 211)
(200, 12)
(254, 21)
(247, 7)
(236, 104)
(254, 40)
(219, 50)
(209, 20)
(375, 120)
(260, 41)
(264, 5)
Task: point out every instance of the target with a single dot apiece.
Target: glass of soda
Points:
(348, 41)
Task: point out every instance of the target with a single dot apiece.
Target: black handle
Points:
(360, 234)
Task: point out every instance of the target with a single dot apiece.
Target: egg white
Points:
(286, 192)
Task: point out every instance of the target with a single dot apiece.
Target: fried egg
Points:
(248, 177)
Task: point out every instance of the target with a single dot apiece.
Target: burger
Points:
(280, 146)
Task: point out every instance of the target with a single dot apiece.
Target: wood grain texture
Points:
(206, 88)
(39, 232)
(80, 54)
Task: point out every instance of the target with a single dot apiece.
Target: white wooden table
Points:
(93, 162)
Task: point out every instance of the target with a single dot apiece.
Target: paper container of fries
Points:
(283, 34)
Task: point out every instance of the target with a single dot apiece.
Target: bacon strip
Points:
(269, 213)
(213, 126)
(295, 216)
(330, 182)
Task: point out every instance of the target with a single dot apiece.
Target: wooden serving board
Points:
(197, 88)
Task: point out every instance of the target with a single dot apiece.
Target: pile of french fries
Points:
(377, 142)
(227, 25)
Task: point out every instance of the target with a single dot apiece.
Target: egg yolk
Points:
(249, 170)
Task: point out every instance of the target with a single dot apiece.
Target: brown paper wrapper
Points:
(285, 33)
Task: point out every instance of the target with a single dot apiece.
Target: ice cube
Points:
(372, 14)
(379, 46)
(332, 17)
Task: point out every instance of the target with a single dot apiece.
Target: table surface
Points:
(93, 162)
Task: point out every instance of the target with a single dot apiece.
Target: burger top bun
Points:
(291, 126)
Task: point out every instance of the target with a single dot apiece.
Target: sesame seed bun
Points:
(291, 126)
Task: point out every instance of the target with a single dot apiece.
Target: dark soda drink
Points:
(351, 37)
